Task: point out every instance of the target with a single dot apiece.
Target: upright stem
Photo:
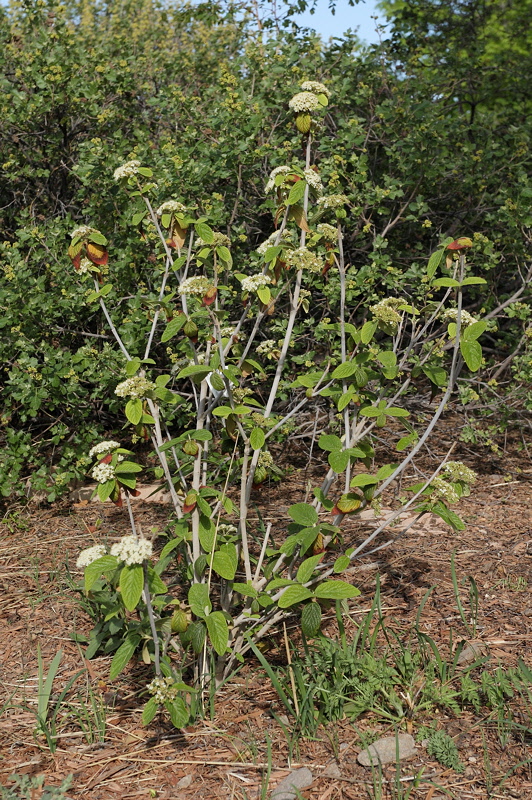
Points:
(151, 617)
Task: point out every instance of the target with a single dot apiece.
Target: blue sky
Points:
(346, 17)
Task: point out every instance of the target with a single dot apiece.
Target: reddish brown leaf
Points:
(97, 254)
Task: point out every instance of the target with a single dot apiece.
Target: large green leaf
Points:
(310, 619)
(134, 410)
(292, 595)
(177, 712)
(336, 590)
(330, 442)
(218, 631)
(338, 460)
(308, 566)
(199, 600)
(472, 354)
(303, 514)
(173, 327)
(149, 711)
(225, 561)
(102, 565)
(123, 655)
(131, 585)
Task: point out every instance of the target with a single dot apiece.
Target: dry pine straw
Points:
(227, 757)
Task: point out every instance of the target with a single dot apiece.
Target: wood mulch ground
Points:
(110, 754)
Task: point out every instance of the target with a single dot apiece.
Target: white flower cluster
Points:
(90, 554)
(127, 170)
(451, 315)
(219, 240)
(270, 186)
(163, 689)
(333, 201)
(329, 232)
(224, 529)
(316, 87)
(103, 473)
(265, 460)
(456, 471)
(314, 181)
(171, 207)
(254, 282)
(198, 284)
(226, 331)
(304, 102)
(272, 239)
(131, 550)
(137, 386)
(443, 490)
(268, 347)
(82, 232)
(302, 258)
(85, 266)
(103, 448)
(386, 311)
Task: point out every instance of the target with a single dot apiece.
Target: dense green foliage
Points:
(195, 92)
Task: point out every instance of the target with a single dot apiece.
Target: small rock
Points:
(384, 750)
(289, 786)
(471, 652)
(333, 771)
(185, 782)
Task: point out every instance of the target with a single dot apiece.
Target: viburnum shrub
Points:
(219, 344)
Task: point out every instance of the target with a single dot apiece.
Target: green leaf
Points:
(225, 561)
(303, 514)
(145, 171)
(197, 370)
(272, 253)
(308, 566)
(199, 600)
(449, 516)
(447, 282)
(134, 410)
(264, 295)
(387, 358)
(105, 490)
(132, 366)
(405, 442)
(293, 594)
(330, 442)
(245, 589)
(207, 533)
(97, 238)
(436, 375)
(367, 331)
(472, 354)
(385, 471)
(123, 655)
(346, 398)
(196, 634)
(296, 193)
(257, 438)
(218, 631)
(128, 466)
(102, 565)
(149, 711)
(204, 232)
(177, 712)
(155, 584)
(200, 435)
(336, 590)
(472, 332)
(434, 262)
(472, 281)
(138, 217)
(131, 585)
(363, 480)
(394, 411)
(341, 563)
(338, 460)
(310, 619)
(344, 370)
(224, 255)
(173, 327)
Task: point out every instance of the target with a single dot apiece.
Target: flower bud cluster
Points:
(137, 386)
(328, 232)
(386, 311)
(457, 471)
(451, 315)
(268, 348)
(171, 207)
(254, 282)
(333, 201)
(132, 550)
(85, 266)
(198, 284)
(271, 241)
(265, 459)
(270, 186)
(304, 101)
(302, 258)
(103, 472)
(90, 554)
(219, 240)
(127, 170)
(224, 529)
(314, 181)
(103, 448)
(444, 490)
(83, 232)
(316, 87)
(163, 689)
